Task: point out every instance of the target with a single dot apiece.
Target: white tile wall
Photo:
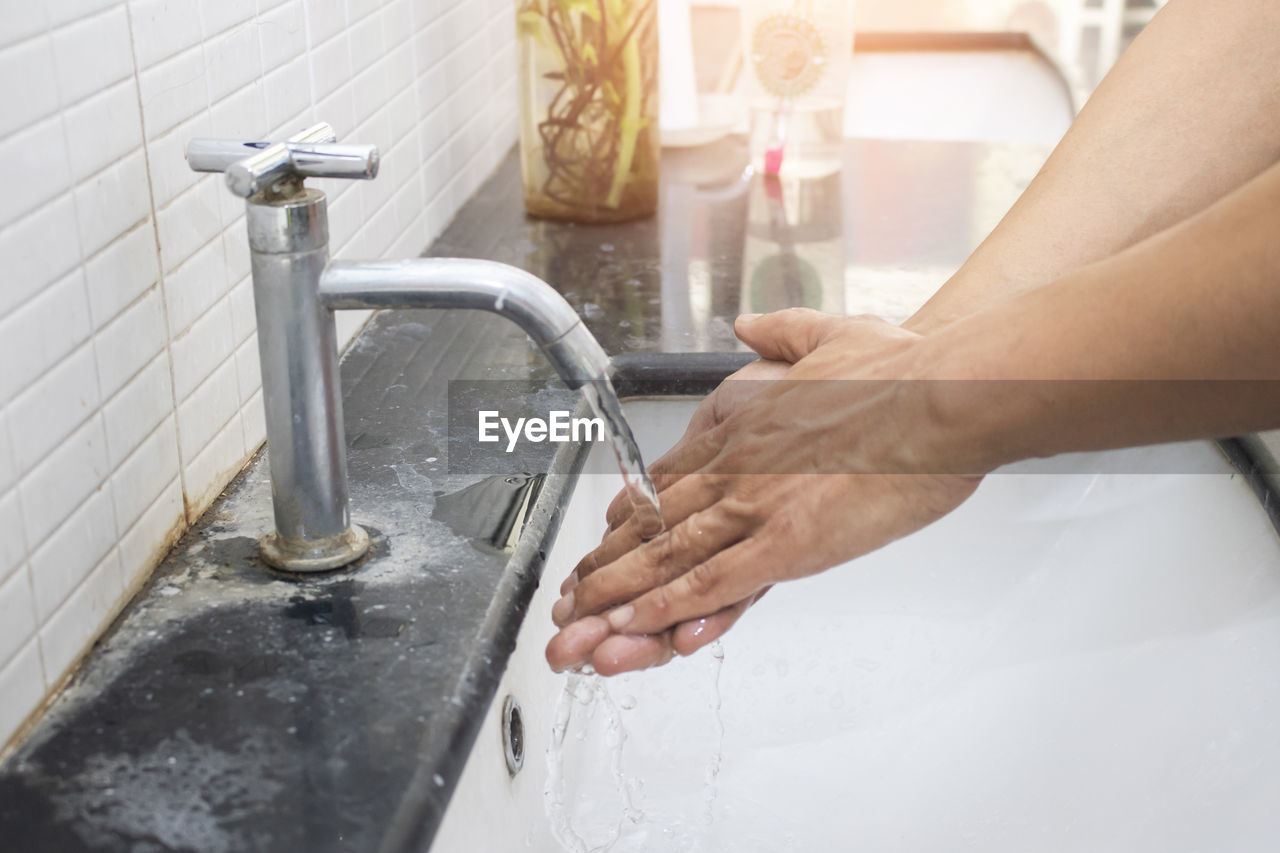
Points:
(129, 383)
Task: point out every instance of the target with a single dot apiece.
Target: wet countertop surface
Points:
(878, 237)
(233, 709)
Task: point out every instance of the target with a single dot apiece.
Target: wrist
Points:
(968, 418)
(977, 285)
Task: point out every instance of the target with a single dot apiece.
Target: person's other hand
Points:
(590, 639)
(805, 475)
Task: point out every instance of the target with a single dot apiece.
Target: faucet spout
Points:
(523, 298)
(296, 291)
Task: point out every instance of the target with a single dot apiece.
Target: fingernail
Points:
(562, 610)
(747, 318)
(621, 617)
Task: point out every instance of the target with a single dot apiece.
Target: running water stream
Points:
(588, 713)
(626, 776)
(603, 400)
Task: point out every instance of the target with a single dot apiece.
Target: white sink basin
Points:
(1068, 662)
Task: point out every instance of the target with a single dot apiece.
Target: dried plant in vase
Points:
(589, 142)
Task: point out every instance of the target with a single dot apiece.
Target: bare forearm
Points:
(1149, 345)
(1156, 343)
(1190, 112)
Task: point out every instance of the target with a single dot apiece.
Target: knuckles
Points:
(671, 548)
(591, 595)
(703, 579)
(739, 512)
(659, 602)
(588, 564)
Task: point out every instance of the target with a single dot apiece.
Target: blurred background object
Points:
(1081, 38)
(589, 113)
(795, 75)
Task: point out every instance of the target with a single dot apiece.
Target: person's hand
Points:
(590, 639)
(805, 475)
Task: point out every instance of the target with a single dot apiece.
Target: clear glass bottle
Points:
(798, 55)
(589, 140)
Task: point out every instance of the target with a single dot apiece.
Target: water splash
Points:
(554, 792)
(717, 756)
(586, 694)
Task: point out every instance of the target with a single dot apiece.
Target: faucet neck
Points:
(301, 393)
(288, 224)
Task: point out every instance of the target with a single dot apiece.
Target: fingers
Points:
(590, 639)
(630, 652)
(761, 370)
(690, 454)
(688, 637)
(728, 576)
(678, 503)
(622, 508)
(787, 335)
(651, 565)
(572, 645)
(619, 509)
(730, 395)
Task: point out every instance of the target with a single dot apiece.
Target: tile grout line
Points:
(24, 564)
(189, 507)
(419, 126)
(241, 400)
(79, 254)
(350, 85)
(155, 229)
(310, 51)
(237, 416)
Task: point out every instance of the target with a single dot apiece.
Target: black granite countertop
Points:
(231, 708)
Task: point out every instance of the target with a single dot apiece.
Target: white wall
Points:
(129, 385)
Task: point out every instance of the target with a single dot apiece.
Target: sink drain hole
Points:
(512, 734)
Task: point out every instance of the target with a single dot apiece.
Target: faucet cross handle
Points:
(255, 166)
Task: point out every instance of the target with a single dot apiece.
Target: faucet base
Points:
(315, 556)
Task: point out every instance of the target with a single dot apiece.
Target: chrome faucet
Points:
(296, 290)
